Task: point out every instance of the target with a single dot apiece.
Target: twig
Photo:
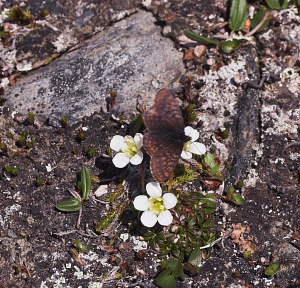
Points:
(79, 218)
(267, 16)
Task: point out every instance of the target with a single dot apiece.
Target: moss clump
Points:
(19, 16)
(39, 181)
(13, 171)
(44, 13)
(3, 147)
(65, 121)
(81, 136)
(23, 141)
(91, 152)
(30, 118)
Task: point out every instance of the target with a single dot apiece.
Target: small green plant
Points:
(81, 135)
(39, 181)
(19, 16)
(235, 197)
(3, 147)
(272, 269)
(82, 247)
(30, 118)
(24, 142)
(212, 166)
(13, 171)
(75, 204)
(239, 20)
(65, 121)
(91, 152)
(172, 270)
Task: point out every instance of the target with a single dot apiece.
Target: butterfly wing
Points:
(164, 155)
(164, 138)
(165, 113)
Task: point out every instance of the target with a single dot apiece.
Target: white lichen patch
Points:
(23, 67)
(287, 15)
(64, 41)
(8, 211)
(294, 156)
(280, 120)
(79, 274)
(252, 178)
(220, 95)
(4, 82)
(139, 244)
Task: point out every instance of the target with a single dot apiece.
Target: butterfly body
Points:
(164, 138)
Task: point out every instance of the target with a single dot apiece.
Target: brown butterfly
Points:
(164, 138)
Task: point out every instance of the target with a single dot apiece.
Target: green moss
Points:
(81, 136)
(19, 16)
(106, 221)
(13, 171)
(21, 142)
(39, 181)
(3, 147)
(65, 121)
(44, 13)
(91, 152)
(9, 135)
(116, 194)
(191, 114)
(30, 118)
(51, 58)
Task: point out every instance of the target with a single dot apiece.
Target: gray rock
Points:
(131, 57)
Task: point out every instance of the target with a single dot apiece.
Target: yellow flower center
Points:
(131, 149)
(156, 205)
(187, 145)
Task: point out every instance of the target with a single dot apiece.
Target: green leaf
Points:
(70, 205)
(238, 14)
(196, 257)
(136, 125)
(258, 17)
(165, 279)
(175, 266)
(200, 39)
(85, 183)
(235, 197)
(212, 166)
(272, 269)
(230, 46)
(189, 175)
(276, 4)
(298, 2)
(208, 206)
(81, 246)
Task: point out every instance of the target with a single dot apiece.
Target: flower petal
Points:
(153, 189)
(191, 132)
(186, 155)
(170, 200)
(141, 203)
(198, 148)
(138, 139)
(165, 218)
(120, 160)
(137, 158)
(117, 143)
(148, 219)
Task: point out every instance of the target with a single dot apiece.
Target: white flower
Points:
(156, 206)
(191, 147)
(128, 149)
